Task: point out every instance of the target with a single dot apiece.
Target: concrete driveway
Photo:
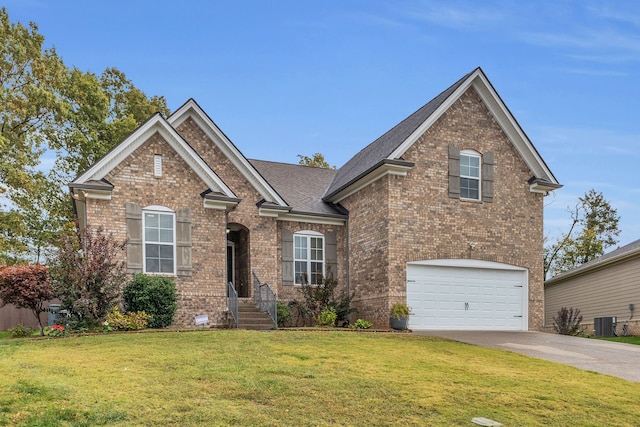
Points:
(605, 357)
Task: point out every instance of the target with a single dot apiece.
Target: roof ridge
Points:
(386, 144)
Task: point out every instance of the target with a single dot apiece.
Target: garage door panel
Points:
(443, 297)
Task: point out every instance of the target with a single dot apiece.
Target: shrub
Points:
(318, 297)
(284, 313)
(361, 324)
(400, 311)
(342, 305)
(155, 295)
(301, 315)
(87, 275)
(21, 331)
(55, 331)
(567, 322)
(327, 317)
(131, 321)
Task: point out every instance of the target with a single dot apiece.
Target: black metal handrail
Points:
(265, 299)
(232, 302)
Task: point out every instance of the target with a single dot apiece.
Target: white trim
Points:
(474, 154)
(158, 208)
(308, 235)
(80, 194)
(156, 124)
(161, 210)
(311, 219)
(219, 205)
(269, 213)
(502, 115)
(380, 172)
(193, 110)
(468, 263)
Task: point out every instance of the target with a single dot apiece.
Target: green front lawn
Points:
(629, 340)
(295, 378)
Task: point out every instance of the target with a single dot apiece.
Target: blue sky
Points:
(283, 78)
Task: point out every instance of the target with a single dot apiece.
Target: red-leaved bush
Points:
(26, 286)
(88, 274)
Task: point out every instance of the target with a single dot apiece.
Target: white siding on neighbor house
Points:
(599, 293)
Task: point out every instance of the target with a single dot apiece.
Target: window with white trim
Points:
(308, 257)
(159, 241)
(470, 175)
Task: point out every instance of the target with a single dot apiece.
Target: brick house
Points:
(444, 212)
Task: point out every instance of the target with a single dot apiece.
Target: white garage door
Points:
(466, 294)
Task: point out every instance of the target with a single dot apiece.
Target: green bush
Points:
(131, 321)
(21, 331)
(55, 331)
(361, 324)
(284, 313)
(400, 311)
(319, 297)
(155, 295)
(327, 317)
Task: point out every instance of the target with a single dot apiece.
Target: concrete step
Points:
(250, 317)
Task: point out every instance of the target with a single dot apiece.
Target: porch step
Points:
(250, 317)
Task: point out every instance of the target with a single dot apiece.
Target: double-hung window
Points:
(308, 249)
(469, 175)
(159, 242)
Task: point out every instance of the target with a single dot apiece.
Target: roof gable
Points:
(191, 109)
(301, 186)
(155, 124)
(393, 144)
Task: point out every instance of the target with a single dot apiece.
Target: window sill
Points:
(471, 200)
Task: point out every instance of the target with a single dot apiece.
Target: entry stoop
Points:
(250, 317)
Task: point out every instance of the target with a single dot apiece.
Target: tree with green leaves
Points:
(317, 161)
(29, 102)
(594, 228)
(49, 109)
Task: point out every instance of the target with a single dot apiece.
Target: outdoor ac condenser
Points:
(604, 326)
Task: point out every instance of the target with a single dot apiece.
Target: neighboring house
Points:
(608, 286)
(443, 212)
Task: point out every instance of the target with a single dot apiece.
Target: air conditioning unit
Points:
(604, 326)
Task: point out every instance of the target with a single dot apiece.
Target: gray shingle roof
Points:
(302, 187)
(381, 148)
(620, 252)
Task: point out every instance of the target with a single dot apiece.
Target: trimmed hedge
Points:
(155, 295)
